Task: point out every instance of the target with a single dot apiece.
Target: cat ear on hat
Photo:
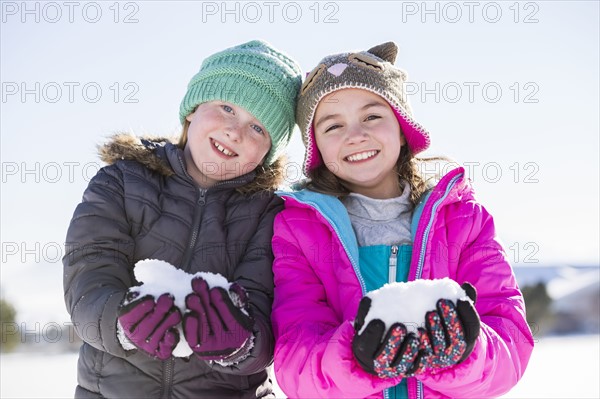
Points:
(386, 51)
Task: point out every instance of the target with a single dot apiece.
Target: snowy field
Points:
(565, 367)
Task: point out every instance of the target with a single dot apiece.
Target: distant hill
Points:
(531, 275)
(574, 292)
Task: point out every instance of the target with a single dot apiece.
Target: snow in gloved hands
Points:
(408, 302)
(158, 277)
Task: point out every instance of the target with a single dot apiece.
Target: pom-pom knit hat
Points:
(371, 70)
(257, 77)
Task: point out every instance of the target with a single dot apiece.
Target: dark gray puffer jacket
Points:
(146, 206)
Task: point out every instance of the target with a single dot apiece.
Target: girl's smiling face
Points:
(224, 141)
(359, 138)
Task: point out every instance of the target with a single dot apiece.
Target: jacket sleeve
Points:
(313, 352)
(505, 343)
(96, 265)
(255, 274)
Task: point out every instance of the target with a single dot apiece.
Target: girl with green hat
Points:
(204, 204)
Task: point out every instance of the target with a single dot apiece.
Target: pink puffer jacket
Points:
(318, 287)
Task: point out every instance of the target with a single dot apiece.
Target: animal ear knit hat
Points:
(371, 70)
(257, 77)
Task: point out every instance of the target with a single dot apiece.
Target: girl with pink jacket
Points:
(366, 217)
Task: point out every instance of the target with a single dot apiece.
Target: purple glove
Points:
(150, 325)
(215, 327)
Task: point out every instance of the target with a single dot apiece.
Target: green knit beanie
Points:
(257, 77)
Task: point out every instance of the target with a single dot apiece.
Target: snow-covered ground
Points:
(566, 367)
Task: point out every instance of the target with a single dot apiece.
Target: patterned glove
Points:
(217, 327)
(451, 331)
(398, 354)
(150, 325)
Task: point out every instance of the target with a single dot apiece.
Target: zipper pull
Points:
(393, 264)
(202, 199)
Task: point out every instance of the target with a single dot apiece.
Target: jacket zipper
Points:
(168, 378)
(393, 264)
(187, 257)
(422, 251)
(392, 271)
(185, 264)
(169, 365)
(430, 223)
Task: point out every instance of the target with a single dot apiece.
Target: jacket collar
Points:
(159, 154)
(176, 159)
(333, 211)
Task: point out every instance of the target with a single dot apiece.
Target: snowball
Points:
(159, 277)
(408, 302)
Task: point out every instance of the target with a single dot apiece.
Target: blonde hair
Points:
(268, 178)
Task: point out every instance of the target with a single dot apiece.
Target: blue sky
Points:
(510, 89)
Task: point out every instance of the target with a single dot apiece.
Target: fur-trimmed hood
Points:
(163, 156)
(123, 146)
